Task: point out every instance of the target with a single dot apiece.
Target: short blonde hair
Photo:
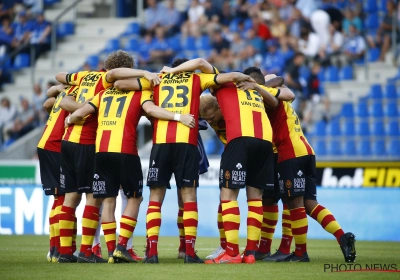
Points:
(207, 103)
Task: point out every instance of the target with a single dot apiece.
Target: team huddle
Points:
(89, 146)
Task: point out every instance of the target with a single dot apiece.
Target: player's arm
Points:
(269, 100)
(157, 112)
(233, 77)
(79, 114)
(48, 104)
(62, 77)
(274, 81)
(69, 104)
(127, 85)
(127, 73)
(190, 66)
(55, 90)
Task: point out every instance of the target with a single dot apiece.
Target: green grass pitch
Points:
(24, 257)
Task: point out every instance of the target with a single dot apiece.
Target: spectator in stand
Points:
(152, 16)
(255, 41)
(170, 19)
(238, 46)
(144, 49)
(7, 114)
(292, 77)
(295, 24)
(6, 35)
(221, 50)
(309, 43)
(211, 10)
(241, 10)
(38, 99)
(24, 122)
(195, 12)
(278, 27)
(354, 46)
(251, 58)
(40, 38)
(22, 31)
(351, 18)
(226, 13)
(161, 52)
(384, 34)
(261, 28)
(286, 11)
(266, 11)
(332, 50)
(273, 61)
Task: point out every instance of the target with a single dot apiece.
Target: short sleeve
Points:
(95, 102)
(73, 91)
(144, 84)
(74, 79)
(106, 84)
(207, 80)
(274, 91)
(147, 95)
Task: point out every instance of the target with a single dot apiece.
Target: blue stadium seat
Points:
(371, 6)
(133, 28)
(382, 6)
(132, 45)
(304, 72)
(112, 45)
(175, 43)
(321, 75)
(377, 110)
(234, 25)
(332, 74)
(65, 28)
(347, 110)
(189, 43)
(362, 109)
(248, 24)
(334, 128)
(393, 128)
(346, 73)
(93, 61)
(372, 21)
(390, 90)
(378, 148)
(21, 61)
(320, 128)
(335, 148)
(391, 109)
(320, 148)
(364, 148)
(378, 129)
(349, 128)
(393, 148)
(376, 91)
(205, 43)
(373, 54)
(363, 128)
(350, 148)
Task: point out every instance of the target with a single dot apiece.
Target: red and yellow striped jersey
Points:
(288, 136)
(244, 112)
(54, 129)
(90, 84)
(220, 130)
(118, 114)
(178, 93)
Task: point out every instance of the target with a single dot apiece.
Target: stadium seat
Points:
(393, 128)
(373, 54)
(189, 43)
(370, 6)
(393, 148)
(132, 45)
(378, 128)
(372, 21)
(321, 75)
(349, 128)
(320, 128)
(390, 90)
(347, 110)
(112, 45)
(378, 148)
(65, 28)
(332, 74)
(376, 91)
(334, 128)
(363, 128)
(350, 148)
(346, 73)
(320, 148)
(234, 25)
(362, 109)
(382, 6)
(335, 148)
(93, 61)
(175, 43)
(21, 61)
(391, 109)
(205, 44)
(364, 148)
(377, 110)
(133, 28)
(248, 24)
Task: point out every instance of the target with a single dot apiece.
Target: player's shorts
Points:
(77, 162)
(180, 159)
(247, 161)
(274, 194)
(50, 163)
(298, 177)
(112, 170)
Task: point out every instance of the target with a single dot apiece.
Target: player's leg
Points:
(179, 223)
(56, 217)
(222, 237)
(96, 248)
(270, 219)
(323, 216)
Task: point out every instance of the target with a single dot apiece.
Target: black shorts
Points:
(247, 161)
(297, 177)
(274, 194)
(50, 163)
(180, 159)
(112, 170)
(77, 162)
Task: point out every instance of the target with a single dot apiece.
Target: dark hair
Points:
(119, 59)
(179, 61)
(256, 74)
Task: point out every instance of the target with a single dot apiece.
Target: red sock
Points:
(153, 224)
(90, 221)
(190, 222)
(220, 224)
(287, 235)
(179, 222)
(67, 218)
